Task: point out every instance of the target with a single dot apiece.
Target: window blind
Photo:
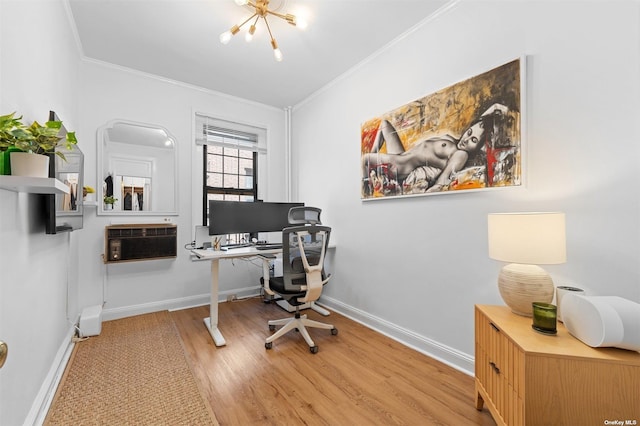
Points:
(214, 131)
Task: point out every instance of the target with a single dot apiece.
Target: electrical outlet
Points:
(232, 297)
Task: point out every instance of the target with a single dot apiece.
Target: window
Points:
(230, 162)
(229, 174)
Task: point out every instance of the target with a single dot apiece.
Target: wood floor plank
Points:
(358, 376)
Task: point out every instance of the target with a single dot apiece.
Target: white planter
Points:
(28, 164)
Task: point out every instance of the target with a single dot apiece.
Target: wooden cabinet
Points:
(527, 378)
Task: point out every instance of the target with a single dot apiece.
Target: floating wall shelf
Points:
(33, 185)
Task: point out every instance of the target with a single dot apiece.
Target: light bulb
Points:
(249, 36)
(301, 23)
(241, 2)
(225, 37)
(278, 54)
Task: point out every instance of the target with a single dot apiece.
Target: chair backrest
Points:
(303, 253)
(304, 215)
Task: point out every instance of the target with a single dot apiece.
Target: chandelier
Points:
(261, 11)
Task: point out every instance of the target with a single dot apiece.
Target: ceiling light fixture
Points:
(261, 10)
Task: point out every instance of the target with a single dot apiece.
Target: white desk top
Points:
(233, 252)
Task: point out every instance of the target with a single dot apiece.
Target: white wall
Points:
(415, 267)
(38, 72)
(110, 93)
(45, 276)
(412, 267)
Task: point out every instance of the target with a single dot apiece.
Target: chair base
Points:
(299, 322)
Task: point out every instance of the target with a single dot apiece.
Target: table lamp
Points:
(526, 240)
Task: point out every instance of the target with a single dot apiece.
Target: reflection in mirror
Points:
(68, 202)
(138, 166)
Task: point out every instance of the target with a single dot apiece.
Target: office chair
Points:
(303, 252)
(304, 215)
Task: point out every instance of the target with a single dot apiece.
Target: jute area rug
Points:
(134, 373)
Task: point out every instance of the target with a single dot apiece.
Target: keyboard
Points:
(268, 246)
(239, 245)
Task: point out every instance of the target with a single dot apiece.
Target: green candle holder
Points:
(544, 317)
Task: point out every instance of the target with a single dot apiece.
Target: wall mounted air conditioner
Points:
(134, 242)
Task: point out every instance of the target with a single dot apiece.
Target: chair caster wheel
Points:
(272, 327)
(313, 349)
(334, 331)
(268, 345)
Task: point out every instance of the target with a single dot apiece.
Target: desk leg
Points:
(212, 321)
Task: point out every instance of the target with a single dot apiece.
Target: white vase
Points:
(28, 164)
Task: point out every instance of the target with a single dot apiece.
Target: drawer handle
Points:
(495, 367)
(494, 327)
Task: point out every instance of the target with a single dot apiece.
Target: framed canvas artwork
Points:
(466, 137)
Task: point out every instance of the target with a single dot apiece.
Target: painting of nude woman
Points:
(465, 137)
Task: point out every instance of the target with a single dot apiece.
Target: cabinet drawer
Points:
(499, 368)
(550, 380)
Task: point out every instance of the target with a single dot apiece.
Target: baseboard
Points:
(449, 356)
(42, 402)
(109, 314)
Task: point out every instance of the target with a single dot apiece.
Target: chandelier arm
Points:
(247, 20)
(268, 27)
(291, 19)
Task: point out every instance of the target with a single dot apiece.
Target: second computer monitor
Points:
(237, 217)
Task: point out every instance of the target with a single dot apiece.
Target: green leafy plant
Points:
(11, 131)
(108, 199)
(37, 138)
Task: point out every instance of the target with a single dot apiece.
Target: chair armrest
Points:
(265, 273)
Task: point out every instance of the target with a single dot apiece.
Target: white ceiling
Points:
(179, 40)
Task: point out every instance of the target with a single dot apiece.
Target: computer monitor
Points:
(239, 217)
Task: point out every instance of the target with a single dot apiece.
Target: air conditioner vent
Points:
(134, 242)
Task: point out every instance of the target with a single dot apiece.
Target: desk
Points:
(214, 256)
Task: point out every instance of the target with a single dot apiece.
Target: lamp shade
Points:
(528, 238)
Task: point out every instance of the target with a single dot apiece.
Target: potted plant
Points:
(86, 190)
(109, 200)
(40, 139)
(11, 129)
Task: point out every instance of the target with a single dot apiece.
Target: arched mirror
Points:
(137, 169)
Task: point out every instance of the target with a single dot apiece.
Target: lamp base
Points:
(520, 285)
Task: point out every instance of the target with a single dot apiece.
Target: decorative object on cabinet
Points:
(139, 241)
(561, 291)
(526, 378)
(544, 317)
(603, 321)
(526, 240)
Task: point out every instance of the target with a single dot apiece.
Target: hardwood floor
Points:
(358, 377)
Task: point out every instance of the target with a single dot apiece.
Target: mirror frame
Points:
(101, 134)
